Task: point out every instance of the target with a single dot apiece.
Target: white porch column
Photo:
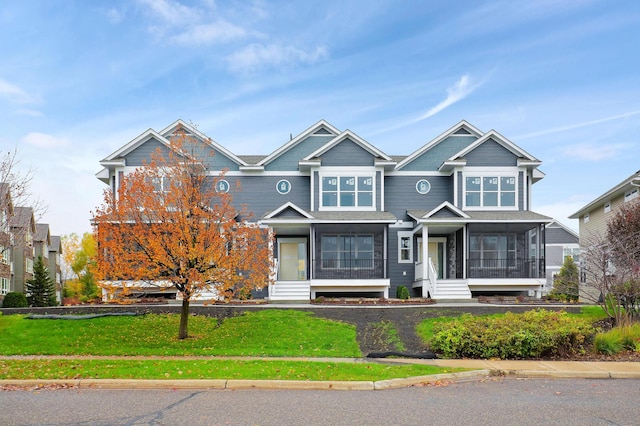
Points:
(425, 258)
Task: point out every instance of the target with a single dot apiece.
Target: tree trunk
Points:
(184, 319)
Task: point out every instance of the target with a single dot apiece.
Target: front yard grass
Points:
(49, 369)
(267, 333)
(270, 333)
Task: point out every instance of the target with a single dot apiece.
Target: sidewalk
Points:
(479, 369)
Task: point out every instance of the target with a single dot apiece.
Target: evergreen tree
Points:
(41, 290)
(565, 284)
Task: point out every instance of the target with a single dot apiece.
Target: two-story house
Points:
(6, 239)
(450, 220)
(55, 264)
(23, 228)
(594, 217)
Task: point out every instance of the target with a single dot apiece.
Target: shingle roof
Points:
(493, 216)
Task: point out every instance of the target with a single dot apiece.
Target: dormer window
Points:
(347, 191)
(490, 191)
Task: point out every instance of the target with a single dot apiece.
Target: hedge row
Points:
(532, 334)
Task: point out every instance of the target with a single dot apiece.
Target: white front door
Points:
(292, 259)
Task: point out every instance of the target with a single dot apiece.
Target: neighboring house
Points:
(6, 239)
(561, 242)
(593, 218)
(41, 242)
(55, 264)
(23, 228)
(450, 220)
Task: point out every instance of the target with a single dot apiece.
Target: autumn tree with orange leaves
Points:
(168, 223)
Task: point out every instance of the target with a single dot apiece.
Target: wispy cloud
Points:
(190, 25)
(460, 90)
(256, 56)
(593, 152)
(216, 32)
(457, 92)
(43, 140)
(578, 125)
(14, 93)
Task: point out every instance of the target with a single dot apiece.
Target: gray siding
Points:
(347, 153)
(259, 193)
(399, 273)
(288, 161)
(401, 195)
(142, 154)
(557, 235)
(491, 154)
(522, 191)
(434, 157)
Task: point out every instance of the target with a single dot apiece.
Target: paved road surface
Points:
(497, 401)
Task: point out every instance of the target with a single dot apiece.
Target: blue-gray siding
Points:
(491, 154)
(434, 157)
(259, 193)
(347, 153)
(288, 161)
(401, 195)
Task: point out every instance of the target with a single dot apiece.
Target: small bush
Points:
(402, 293)
(532, 334)
(15, 300)
(618, 339)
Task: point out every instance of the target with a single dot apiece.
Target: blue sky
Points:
(79, 79)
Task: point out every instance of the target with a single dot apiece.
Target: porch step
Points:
(283, 291)
(452, 289)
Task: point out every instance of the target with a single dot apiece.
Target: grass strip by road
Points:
(52, 368)
(271, 333)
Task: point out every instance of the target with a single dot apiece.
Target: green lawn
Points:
(267, 333)
(261, 333)
(43, 369)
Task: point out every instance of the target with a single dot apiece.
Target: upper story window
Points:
(486, 191)
(161, 184)
(631, 194)
(347, 191)
(607, 207)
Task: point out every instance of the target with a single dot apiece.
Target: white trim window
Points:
(607, 207)
(347, 191)
(490, 191)
(161, 184)
(631, 194)
(405, 247)
(4, 255)
(4, 286)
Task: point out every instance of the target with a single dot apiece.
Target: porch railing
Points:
(349, 269)
(505, 268)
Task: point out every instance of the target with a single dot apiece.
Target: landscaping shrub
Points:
(402, 293)
(14, 300)
(532, 334)
(619, 339)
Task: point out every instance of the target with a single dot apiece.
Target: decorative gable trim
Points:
(348, 134)
(205, 139)
(446, 206)
(524, 157)
(463, 128)
(287, 206)
(313, 130)
(118, 155)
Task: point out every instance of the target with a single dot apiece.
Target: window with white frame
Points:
(4, 255)
(405, 247)
(347, 251)
(492, 250)
(347, 191)
(161, 184)
(607, 207)
(490, 191)
(585, 219)
(29, 264)
(631, 194)
(4, 285)
(573, 252)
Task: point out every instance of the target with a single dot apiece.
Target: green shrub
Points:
(531, 334)
(402, 293)
(619, 339)
(15, 300)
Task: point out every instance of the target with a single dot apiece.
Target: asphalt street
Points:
(489, 401)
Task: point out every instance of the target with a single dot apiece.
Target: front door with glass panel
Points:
(292, 259)
(437, 254)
